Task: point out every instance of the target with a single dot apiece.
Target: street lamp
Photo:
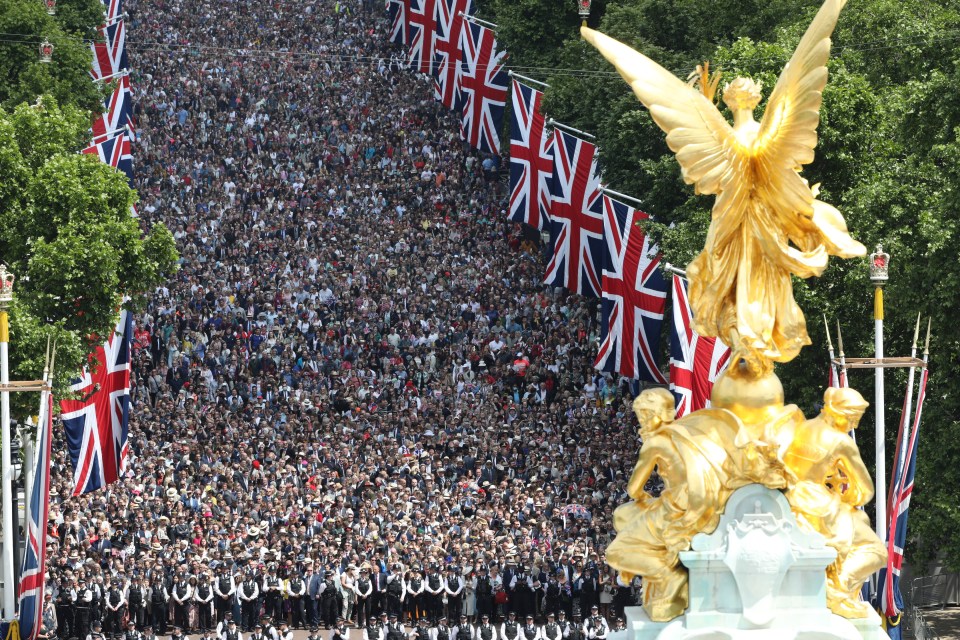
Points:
(46, 51)
(6, 470)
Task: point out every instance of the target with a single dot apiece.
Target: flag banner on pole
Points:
(397, 11)
(421, 34)
(119, 111)
(448, 55)
(695, 361)
(576, 217)
(115, 151)
(110, 56)
(96, 425)
(483, 88)
(33, 567)
(888, 585)
(531, 159)
(634, 296)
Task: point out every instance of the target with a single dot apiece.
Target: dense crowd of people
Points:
(355, 399)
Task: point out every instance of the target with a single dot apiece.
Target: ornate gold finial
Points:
(774, 227)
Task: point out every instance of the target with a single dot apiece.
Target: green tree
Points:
(69, 237)
(25, 24)
(888, 157)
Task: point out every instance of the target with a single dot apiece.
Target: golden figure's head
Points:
(654, 407)
(844, 407)
(742, 93)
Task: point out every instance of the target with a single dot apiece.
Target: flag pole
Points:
(513, 74)
(905, 426)
(879, 263)
(480, 21)
(622, 196)
(672, 269)
(6, 468)
(842, 375)
(833, 367)
(554, 123)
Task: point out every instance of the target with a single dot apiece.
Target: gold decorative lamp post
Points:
(6, 468)
(879, 274)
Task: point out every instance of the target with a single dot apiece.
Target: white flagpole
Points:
(6, 468)
(554, 123)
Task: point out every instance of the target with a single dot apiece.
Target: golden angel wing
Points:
(696, 131)
(788, 132)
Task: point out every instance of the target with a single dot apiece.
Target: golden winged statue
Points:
(767, 223)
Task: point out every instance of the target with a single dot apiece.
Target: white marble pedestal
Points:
(758, 576)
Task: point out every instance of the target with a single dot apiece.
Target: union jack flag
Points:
(888, 586)
(113, 9)
(33, 567)
(576, 217)
(397, 12)
(483, 88)
(531, 159)
(119, 113)
(96, 425)
(449, 55)
(634, 296)
(422, 25)
(115, 151)
(110, 56)
(695, 361)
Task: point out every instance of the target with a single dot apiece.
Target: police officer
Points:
(314, 633)
(182, 595)
(328, 600)
(396, 590)
(464, 630)
(65, 610)
(248, 593)
(484, 593)
(551, 630)
(441, 631)
(575, 632)
(510, 629)
(595, 628)
(257, 632)
(84, 613)
(529, 631)
(137, 602)
(284, 633)
(363, 589)
(231, 632)
(521, 592)
(563, 623)
(96, 631)
(131, 632)
(340, 631)
(421, 631)
(453, 591)
(159, 597)
(434, 588)
(296, 589)
(485, 630)
(177, 633)
(394, 629)
(204, 598)
(272, 594)
(224, 589)
(373, 630)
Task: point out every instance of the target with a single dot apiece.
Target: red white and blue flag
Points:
(695, 361)
(397, 12)
(119, 111)
(96, 425)
(110, 56)
(449, 55)
(634, 297)
(115, 151)
(888, 586)
(531, 159)
(421, 17)
(483, 88)
(33, 567)
(576, 217)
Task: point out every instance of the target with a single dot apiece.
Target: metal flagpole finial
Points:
(826, 327)
(879, 266)
(839, 339)
(926, 347)
(916, 332)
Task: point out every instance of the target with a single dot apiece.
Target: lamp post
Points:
(879, 274)
(6, 469)
(46, 51)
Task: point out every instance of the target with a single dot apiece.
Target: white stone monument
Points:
(757, 576)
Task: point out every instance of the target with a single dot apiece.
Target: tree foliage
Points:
(69, 237)
(888, 157)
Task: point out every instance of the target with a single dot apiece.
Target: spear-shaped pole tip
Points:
(839, 339)
(826, 327)
(926, 347)
(916, 334)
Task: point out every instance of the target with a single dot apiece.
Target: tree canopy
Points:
(888, 157)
